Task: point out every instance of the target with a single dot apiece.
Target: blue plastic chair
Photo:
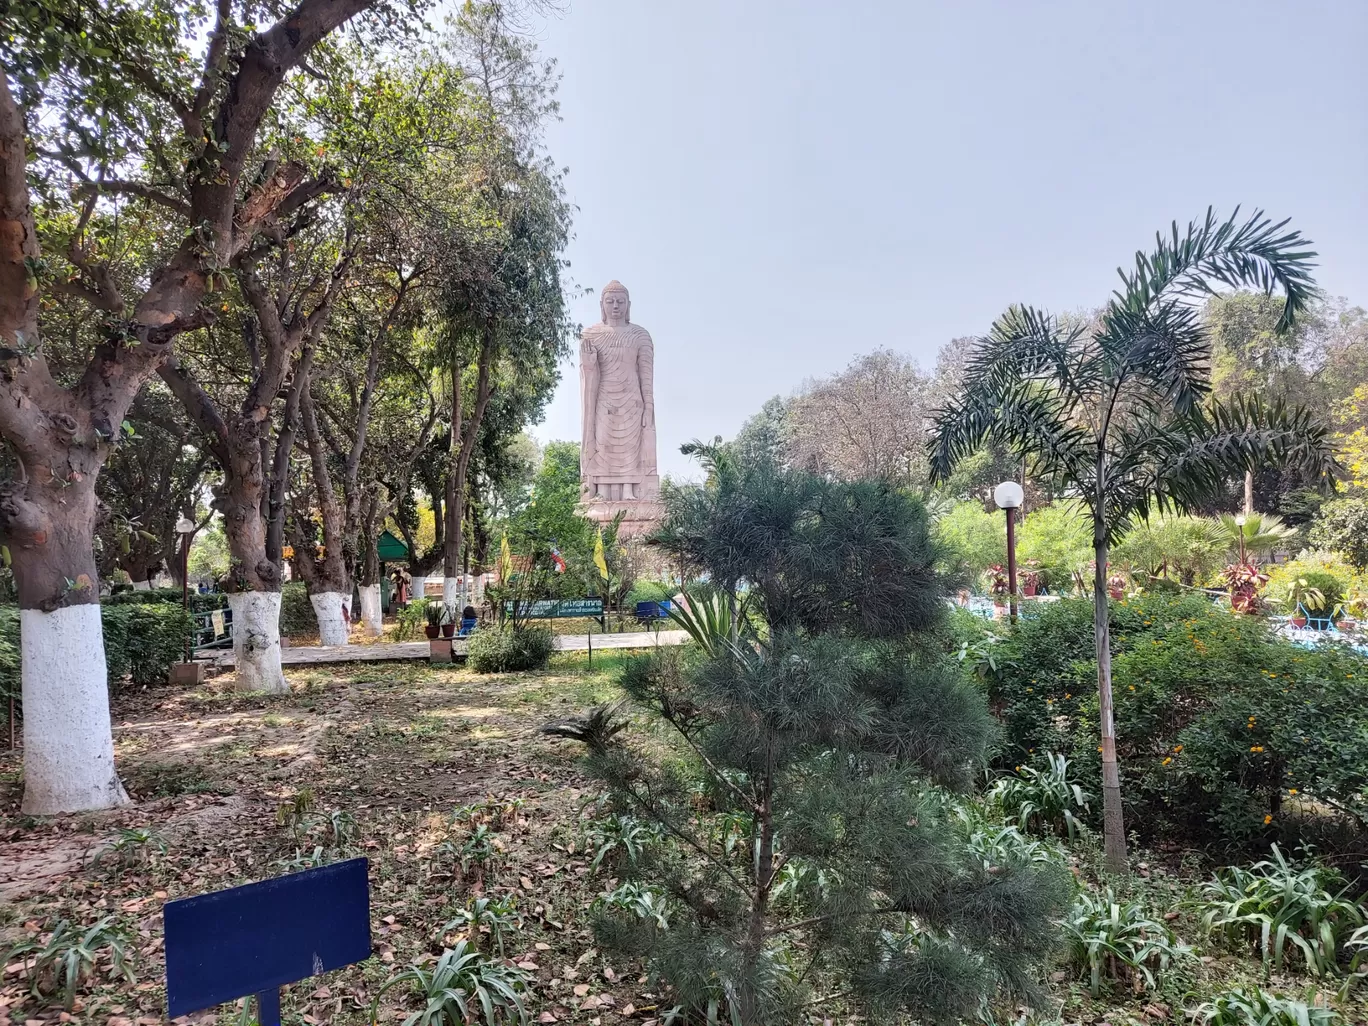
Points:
(467, 626)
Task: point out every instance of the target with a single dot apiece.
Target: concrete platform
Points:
(311, 655)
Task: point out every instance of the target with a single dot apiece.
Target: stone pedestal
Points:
(439, 650)
(642, 516)
(187, 673)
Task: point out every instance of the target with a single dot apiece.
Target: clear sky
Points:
(784, 185)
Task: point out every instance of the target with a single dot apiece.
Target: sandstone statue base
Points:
(642, 515)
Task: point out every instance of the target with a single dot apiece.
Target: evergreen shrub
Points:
(507, 649)
(805, 836)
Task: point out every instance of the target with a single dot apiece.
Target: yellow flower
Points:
(1291, 790)
(1177, 748)
(1256, 748)
(1168, 760)
(1267, 820)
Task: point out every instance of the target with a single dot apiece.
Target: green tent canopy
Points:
(391, 549)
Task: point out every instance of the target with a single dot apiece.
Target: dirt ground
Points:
(401, 748)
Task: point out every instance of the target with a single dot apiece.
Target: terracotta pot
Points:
(432, 630)
(1029, 589)
(448, 630)
(1298, 621)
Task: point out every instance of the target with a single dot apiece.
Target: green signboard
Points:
(554, 609)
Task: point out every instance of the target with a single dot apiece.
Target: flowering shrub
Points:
(1223, 730)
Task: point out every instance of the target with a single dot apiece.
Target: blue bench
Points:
(648, 611)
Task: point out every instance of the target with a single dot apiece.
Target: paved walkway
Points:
(309, 655)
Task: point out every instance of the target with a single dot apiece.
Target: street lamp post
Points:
(1240, 534)
(185, 527)
(1008, 497)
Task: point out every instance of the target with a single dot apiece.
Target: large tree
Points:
(114, 102)
(1117, 409)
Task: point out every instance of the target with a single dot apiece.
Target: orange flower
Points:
(1267, 820)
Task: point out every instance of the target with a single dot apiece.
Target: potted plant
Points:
(997, 585)
(1032, 576)
(448, 620)
(1244, 581)
(434, 613)
(1300, 597)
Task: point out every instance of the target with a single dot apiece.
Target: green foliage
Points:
(61, 960)
(1043, 798)
(1252, 1006)
(1058, 537)
(297, 616)
(1283, 909)
(1114, 940)
(621, 841)
(709, 620)
(1342, 527)
(638, 900)
(496, 917)
(133, 846)
(142, 641)
(507, 649)
(972, 538)
(795, 776)
(410, 618)
(1327, 572)
(462, 987)
(1220, 724)
(199, 603)
(1184, 549)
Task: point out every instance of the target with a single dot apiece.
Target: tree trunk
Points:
(1113, 822)
(330, 589)
(372, 616)
(463, 438)
(1249, 492)
(253, 579)
(68, 740)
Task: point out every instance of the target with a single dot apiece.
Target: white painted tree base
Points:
(452, 597)
(333, 610)
(256, 641)
(417, 588)
(68, 743)
(142, 585)
(372, 616)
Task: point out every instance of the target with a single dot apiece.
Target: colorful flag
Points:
(505, 561)
(599, 560)
(557, 560)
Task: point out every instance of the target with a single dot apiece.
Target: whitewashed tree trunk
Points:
(417, 588)
(142, 585)
(451, 596)
(68, 742)
(256, 641)
(372, 616)
(333, 610)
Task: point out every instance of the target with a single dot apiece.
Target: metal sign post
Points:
(257, 938)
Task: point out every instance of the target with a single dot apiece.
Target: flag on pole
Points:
(505, 561)
(599, 560)
(557, 560)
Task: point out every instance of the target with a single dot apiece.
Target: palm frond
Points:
(1212, 444)
(1254, 252)
(598, 728)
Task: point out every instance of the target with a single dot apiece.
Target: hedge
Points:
(297, 616)
(141, 642)
(199, 603)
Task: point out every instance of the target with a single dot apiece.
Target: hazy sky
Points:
(785, 185)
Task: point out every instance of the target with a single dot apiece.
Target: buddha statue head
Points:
(615, 305)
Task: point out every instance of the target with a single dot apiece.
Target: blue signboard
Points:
(551, 609)
(257, 938)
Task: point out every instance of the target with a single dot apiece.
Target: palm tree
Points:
(1116, 411)
(1252, 534)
